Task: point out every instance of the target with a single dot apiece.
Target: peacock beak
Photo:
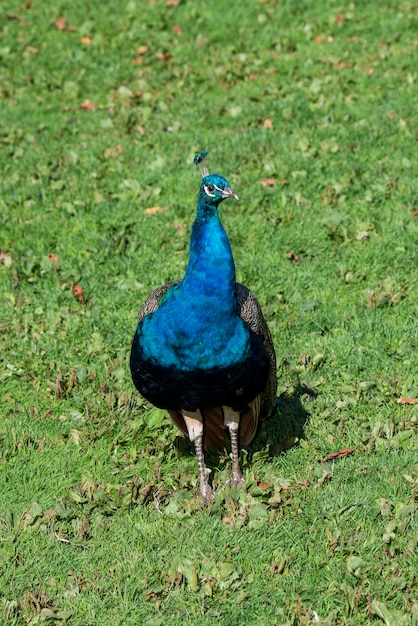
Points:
(228, 193)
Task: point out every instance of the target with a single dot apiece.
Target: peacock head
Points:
(214, 188)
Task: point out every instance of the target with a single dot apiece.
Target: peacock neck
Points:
(211, 266)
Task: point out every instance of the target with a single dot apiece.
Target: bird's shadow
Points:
(279, 433)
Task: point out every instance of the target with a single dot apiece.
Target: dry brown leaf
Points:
(172, 3)
(53, 257)
(31, 49)
(263, 485)
(340, 18)
(337, 455)
(78, 292)
(177, 29)
(138, 60)
(267, 124)
(61, 23)
(163, 56)
(414, 213)
(268, 182)
(142, 49)
(292, 256)
(87, 40)
(140, 129)
(88, 105)
(153, 210)
(408, 400)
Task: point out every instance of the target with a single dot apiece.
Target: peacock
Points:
(202, 349)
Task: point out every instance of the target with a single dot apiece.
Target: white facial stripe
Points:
(212, 195)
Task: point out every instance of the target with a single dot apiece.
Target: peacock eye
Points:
(210, 188)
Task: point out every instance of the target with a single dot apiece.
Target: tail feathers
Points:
(214, 431)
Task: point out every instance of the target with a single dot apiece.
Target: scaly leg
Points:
(231, 420)
(194, 424)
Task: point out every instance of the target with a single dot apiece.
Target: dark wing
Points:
(152, 303)
(250, 311)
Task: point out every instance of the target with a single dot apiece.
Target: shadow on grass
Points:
(286, 426)
(280, 432)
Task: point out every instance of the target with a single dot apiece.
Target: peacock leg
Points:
(231, 420)
(194, 424)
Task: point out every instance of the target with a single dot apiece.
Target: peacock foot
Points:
(236, 479)
(207, 492)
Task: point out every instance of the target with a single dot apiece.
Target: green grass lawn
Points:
(310, 110)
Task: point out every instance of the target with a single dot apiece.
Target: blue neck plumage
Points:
(211, 268)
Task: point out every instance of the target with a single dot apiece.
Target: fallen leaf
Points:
(292, 256)
(78, 292)
(267, 124)
(87, 39)
(88, 105)
(61, 23)
(337, 455)
(414, 213)
(6, 259)
(140, 129)
(110, 153)
(340, 18)
(268, 182)
(138, 60)
(155, 209)
(263, 485)
(172, 3)
(318, 39)
(408, 400)
(177, 29)
(163, 56)
(31, 49)
(53, 257)
(142, 49)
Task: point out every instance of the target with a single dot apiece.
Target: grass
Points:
(310, 110)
